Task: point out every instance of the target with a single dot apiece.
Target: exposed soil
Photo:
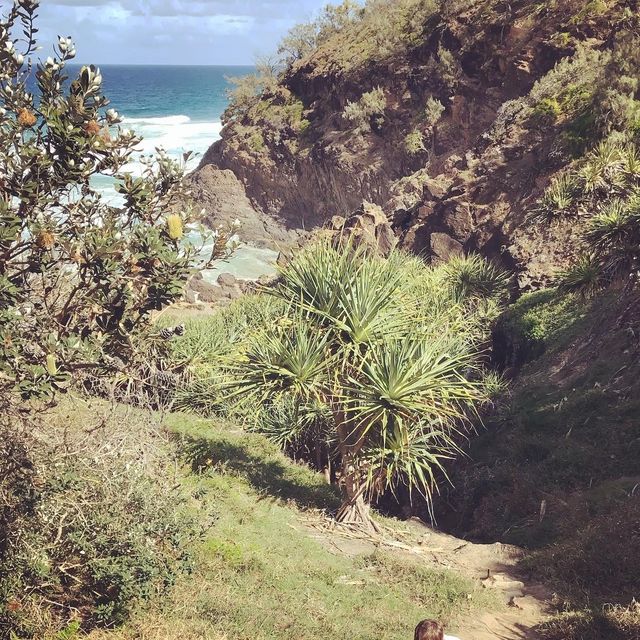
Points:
(493, 565)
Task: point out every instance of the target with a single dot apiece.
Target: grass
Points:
(260, 574)
(612, 623)
(557, 471)
(541, 322)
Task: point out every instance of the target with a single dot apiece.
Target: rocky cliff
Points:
(454, 117)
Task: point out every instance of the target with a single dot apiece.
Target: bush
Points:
(368, 112)
(91, 523)
(344, 310)
(605, 190)
(547, 111)
(79, 279)
(584, 276)
(433, 111)
(304, 38)
(610, 622)
(414, 142)
(558, 199)
(526, 328)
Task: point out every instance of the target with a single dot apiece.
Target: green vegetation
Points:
(547, 111)
(304, 38)
(92, 524)
(372, 371)
(537, 323)
(79, 279)
(89, 524)
(590, 95)
(264, 572)
(350, 35)
(613, 622)
(368, 112)
(335, 369)
(557, 469)
(606, 190)
(414, 142)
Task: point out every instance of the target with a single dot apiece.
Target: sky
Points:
(171, 31)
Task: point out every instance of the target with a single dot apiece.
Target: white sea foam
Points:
(167, 120)
(175, 134)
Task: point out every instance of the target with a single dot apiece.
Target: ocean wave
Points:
(175, 134)
(163, 120)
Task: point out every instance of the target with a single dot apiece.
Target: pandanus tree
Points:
(79, 277)
(389, 349)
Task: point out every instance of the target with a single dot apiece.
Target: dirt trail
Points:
(493, 565)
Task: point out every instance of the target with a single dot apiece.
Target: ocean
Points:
(178, 108)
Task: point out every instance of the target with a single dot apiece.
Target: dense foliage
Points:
(89, 522)
(593, 100)
(79, 278)
(374, 364)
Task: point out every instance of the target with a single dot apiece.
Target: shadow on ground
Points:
(267, 471)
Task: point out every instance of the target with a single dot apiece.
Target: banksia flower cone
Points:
(26, 118)
(45, 240)
(174, 226)
(52, 367)
(92, 128)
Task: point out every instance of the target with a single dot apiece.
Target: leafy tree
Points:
(301, 40)
(336, 17)
(79, 278)
(375, 357)
(248, 89)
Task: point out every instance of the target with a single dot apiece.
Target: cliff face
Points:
(453, 117)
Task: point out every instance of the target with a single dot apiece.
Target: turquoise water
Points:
(177, 108)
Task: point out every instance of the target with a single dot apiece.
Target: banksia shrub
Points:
(78, 277)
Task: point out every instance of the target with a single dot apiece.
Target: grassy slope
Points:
(259, 574)
(558, 470)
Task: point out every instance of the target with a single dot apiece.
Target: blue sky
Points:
(171, 31)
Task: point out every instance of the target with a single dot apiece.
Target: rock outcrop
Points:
(223, 197)
(366, 227)
(465, 182)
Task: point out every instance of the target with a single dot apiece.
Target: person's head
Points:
(429, 630)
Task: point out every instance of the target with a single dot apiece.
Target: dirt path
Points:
(493, 565)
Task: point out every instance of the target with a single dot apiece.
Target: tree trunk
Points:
(355, 509)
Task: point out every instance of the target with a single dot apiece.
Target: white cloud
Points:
(199, 31)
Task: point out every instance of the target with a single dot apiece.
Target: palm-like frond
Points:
(593, 178)
(367, 309)
(557, 200)
(286, 421)
(347, 290)
(631, 163)
(380, 354)
(294, 359)
(413, 458)
(473, 277)
(585, 276)
(611, 227)
(405, 381)
(314, 279)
